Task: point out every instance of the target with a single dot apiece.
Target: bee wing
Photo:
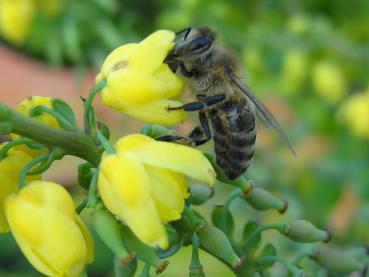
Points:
(264, 113)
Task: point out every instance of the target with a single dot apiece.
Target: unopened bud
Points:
(200, 194)
(109, 231)
(260, 199)
(303, 231)
(216, 243)
(337, 262)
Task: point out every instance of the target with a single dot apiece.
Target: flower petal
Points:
(124, 188)
(166, 193)
(116, 60)
(157, 112)
(152, 51)
(179, 158)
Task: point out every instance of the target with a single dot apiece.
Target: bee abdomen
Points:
(234, 138)
(234, 153)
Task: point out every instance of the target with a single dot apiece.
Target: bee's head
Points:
(190, 43)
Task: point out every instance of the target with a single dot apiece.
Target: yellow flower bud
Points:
(329, 81)
(139, 83)
(144, 185)
(15, 19)
(10, 167)
(47, 229)
(355, 112)
(294, 71)
(25, 108)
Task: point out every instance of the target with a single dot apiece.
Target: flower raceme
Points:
(139, 83)
(10, 168)
(144, 184)
(50, 234)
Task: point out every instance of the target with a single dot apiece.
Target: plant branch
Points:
(75, 143)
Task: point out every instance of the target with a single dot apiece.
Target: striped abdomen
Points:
(234, 136)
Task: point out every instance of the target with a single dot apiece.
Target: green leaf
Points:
(104, 129)
(85, 174)
(223, 219)
(65, 111)
(175, 243)
(248, 229)
(268, 250)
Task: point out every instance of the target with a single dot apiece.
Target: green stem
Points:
(195, 222)
(81, 206)
(4, 150)
(106, 144)
(61, 120)
(88, 102)
(145, 271)
(28, 166)
(305, 254)
(261, 229)
(92, 191)
(296, 272)
(196, 268)
(75, 143)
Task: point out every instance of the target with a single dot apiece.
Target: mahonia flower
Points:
(10, 168)
(355, 112)
(139, 83)
(144, 185)
(50, 234)
(16, 17)
(25, 108)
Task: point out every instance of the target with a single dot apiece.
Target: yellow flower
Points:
(355, 112)
(329, 81)
(25, 108)
(139, 83)
(47, 229)
(15, 19)
(143, 183)
(294, 71)
(10, 167)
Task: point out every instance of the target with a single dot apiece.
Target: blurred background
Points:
(306, 60)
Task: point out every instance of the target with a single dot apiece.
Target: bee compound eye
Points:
(202, 42)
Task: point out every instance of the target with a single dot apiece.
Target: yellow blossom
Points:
(50, 234)
(139, 83)
(15, 19)
(294, 71)
(144, 185)
(329, 81)
(10, 167)
(25, 108)
(355, 112)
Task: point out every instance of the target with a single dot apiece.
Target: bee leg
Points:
(199, 105)
(205, 129)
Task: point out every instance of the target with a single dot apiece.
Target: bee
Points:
(222, 98)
